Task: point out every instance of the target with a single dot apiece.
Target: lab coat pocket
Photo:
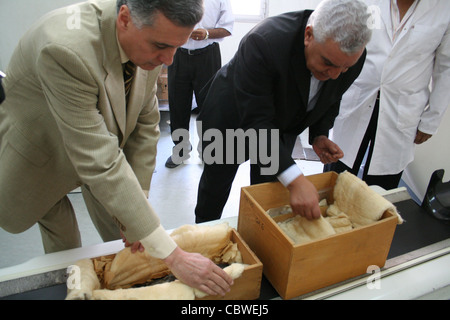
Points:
(424, 39)
(410, 109)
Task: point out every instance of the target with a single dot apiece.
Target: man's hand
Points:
(304, 198)
(327, 150)
(199, 34)
(135, 246)
(421, 137)
(199, 272)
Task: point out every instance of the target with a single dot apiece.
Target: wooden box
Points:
(294, 270)
(248, 285)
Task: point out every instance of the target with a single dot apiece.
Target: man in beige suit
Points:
(65, 124)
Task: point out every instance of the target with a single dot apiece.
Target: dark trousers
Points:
(387, 182)
(189, 73)
(215, 186)
(217, 179)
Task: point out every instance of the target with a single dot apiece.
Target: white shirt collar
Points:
(397, 25)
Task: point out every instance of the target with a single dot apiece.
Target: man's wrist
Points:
(289, 175)
(159, 244)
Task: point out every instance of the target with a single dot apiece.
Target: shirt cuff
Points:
(159, 244)
(289, 175)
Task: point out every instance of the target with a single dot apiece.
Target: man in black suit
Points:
(288, 74)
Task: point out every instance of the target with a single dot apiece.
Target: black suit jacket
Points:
(266, 86)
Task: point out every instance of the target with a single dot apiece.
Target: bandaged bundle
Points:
(362, 204)
(112, 277)
(301, 230)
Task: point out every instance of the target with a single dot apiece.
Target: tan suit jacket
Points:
(64, 122)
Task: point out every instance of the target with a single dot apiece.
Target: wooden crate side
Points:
(340, 257)
(386, 230)
(323, 180)
(251, 279)
(248, 285)
(268, 195)
(248, 257)
(262, 235)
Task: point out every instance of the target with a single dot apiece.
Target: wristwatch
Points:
(207, 35)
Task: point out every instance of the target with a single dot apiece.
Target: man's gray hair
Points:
(184, 13)
(344, 21)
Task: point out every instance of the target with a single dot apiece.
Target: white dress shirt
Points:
(397, 24)
(218, 14)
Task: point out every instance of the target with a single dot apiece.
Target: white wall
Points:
(429, 157)
(229, 46)
(16, 16)
(279, 6)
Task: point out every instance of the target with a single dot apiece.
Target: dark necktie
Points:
(128, 74)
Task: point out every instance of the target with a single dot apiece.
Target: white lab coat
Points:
(402, 71)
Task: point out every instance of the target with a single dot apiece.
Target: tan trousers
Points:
(59, 227)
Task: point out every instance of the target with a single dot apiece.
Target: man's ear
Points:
(309, 35)
(124, 17)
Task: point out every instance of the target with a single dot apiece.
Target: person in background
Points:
(403, 91)
(81, 111)
(194, 64)
(288, 74)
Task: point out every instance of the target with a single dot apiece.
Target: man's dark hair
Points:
(184, 13)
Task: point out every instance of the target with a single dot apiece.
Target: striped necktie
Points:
(128, 74)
